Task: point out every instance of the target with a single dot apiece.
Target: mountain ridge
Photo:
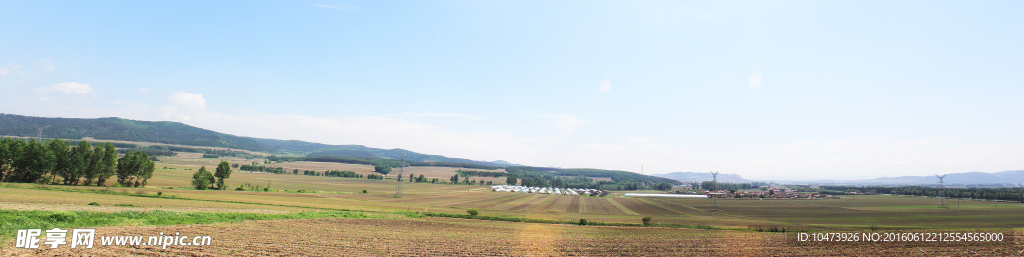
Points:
(169, 132)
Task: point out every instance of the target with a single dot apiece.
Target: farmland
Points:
(423, 230)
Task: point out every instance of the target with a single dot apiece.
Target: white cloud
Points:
(184, 106)
(606, 85)
(67, 88)
(145, 89)
(448, 115)
(187, 100)
(755, 80)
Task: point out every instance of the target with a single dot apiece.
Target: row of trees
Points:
(534, 177)
(465, 181)
(261, 168)
(477, 173)
(58, 162)
(1001, 193)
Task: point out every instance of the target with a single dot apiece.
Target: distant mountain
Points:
(966, 178)
(123, 129)
(168, 132)
(703, 176)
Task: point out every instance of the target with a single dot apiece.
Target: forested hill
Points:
(181, 134)
(122, 129)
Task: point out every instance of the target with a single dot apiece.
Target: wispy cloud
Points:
(67, 88)
(606, 85)
(8, 69)
(46, 64)
(145, 89)
(448, 115)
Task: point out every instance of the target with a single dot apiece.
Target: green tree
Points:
(34, 161)
(223, 171)
(134, 169)
(62, 161)
(8, 149)
(646, 219)
(80, 157)
(511, 180)
(421, 179)
(108, 167)
(202, 179)
(94, 169)
(382, 169)
(473, 211)
(454, 179)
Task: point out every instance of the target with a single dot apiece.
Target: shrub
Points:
(94, 203)
(364, 191)
(583, 222)
(473, 211)
(161, 193)
(646, 219)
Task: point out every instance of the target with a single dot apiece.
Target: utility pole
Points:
(942, 195)
(39, 131)
(400, 188)
(713, 194)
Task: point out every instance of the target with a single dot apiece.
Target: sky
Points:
(769, 90)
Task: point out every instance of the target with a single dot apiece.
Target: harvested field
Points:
(453, 237)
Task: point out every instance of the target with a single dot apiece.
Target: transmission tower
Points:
(39, 131)
(400, 188)
(714, 187)
(942, 191)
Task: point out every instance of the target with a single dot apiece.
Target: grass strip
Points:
(13, 220)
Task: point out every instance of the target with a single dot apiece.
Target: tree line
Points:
(536, 177)
(59, 162)
(1001, 193)
(477, 173)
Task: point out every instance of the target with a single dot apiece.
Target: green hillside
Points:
(123, 129)
(181, 134)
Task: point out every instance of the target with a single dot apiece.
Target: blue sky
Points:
(765, 89)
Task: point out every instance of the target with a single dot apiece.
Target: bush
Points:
(583, 222)
(161, 193)
(94, 203)
(646, 219)
(473, 211)
(364, 191)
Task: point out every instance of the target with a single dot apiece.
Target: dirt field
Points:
(447, 237)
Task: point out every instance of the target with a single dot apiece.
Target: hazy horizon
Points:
(782, 91)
